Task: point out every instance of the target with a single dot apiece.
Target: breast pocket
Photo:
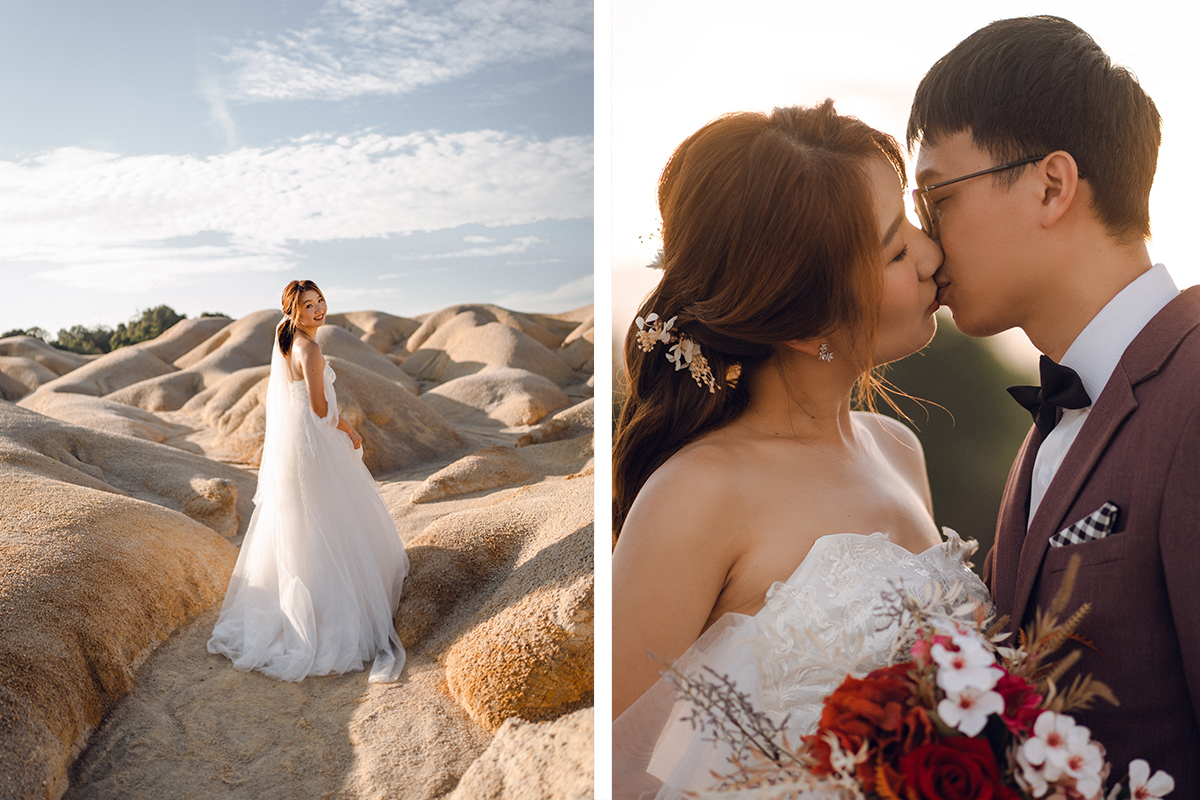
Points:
(1091, 554)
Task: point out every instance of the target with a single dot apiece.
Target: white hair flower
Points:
(684, 351)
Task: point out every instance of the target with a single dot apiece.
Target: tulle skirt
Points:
(321, 568)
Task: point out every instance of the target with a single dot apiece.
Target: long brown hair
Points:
(291, 306)
(769, 235)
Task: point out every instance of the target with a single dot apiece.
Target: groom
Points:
(1036, 156)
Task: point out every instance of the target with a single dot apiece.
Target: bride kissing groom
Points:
(757, 516)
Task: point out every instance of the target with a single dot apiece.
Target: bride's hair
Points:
(291, 307)
(769, 235)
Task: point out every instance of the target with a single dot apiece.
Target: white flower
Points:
(682, 352)
(1030, 776)
(1049, 747)
(969, 666)
(969, 709)
(1085, 761)
(1143, 787)
(963, 637)
(642, 323)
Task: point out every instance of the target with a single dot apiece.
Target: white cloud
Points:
(390, 47)
(349, 297)
(572, 294)
(133, 269)
(82, 212)
(218, 110)
(530, 262)
(515, 246)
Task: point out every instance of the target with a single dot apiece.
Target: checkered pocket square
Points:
(1097, 525)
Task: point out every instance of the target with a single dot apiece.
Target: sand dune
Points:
(128, 483)
(474, 340)
(57, 361)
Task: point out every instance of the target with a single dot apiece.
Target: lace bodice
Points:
(826, 621)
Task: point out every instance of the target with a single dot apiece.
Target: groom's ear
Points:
(1058, 176)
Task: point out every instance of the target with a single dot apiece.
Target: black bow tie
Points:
(1061, 388)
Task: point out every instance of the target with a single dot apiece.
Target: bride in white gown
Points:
(320, 571)
(759, 519)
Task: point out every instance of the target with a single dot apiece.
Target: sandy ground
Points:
(194, 727)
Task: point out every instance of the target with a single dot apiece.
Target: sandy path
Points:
(194, 727)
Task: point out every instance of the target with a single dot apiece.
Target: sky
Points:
(677, 65)
(406, 156)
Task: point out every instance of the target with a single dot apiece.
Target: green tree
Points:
(86, 341)
(35, 331)
(150, 325)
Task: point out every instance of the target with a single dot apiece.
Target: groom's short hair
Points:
(1027, 86)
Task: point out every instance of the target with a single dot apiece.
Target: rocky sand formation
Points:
(127, 484)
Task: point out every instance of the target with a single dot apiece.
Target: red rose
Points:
(871, 708)
(1022, 703)
(874, 709)
(955, 769)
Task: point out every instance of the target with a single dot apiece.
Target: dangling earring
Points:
(825, 354)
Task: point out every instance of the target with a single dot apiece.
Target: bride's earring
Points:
(825, 354)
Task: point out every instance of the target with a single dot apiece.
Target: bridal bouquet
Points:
(962, 717)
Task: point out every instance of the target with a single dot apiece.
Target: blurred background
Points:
(676, 65)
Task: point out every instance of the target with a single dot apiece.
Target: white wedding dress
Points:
(820, 625)
(320, 571)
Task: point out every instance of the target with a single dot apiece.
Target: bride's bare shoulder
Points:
(693, 494)
(307, 351)
(889, 432)
(899, 444)
(706, 463)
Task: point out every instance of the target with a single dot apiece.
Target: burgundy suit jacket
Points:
(1138, 448)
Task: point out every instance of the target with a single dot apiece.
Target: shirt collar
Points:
(1096, 351)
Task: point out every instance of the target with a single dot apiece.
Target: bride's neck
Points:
(802, 398)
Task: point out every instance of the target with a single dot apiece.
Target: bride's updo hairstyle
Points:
(291, 306)
(769, 236)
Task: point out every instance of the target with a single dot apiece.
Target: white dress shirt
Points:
(1094, 355)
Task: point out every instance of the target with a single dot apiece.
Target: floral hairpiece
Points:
(683, 350)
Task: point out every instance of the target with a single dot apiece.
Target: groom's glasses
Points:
(925, 207)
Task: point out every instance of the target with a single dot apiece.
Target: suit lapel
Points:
(1116, 403)
(1010, 528)
(1144, 357)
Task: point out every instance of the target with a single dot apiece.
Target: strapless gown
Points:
(321, 568)
(820, 625)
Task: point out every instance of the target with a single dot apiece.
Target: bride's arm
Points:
(669, 567)
(348, 429)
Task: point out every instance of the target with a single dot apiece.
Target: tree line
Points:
(102, 339)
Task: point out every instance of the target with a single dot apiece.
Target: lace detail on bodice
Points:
(825, 621)
(829, 619)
